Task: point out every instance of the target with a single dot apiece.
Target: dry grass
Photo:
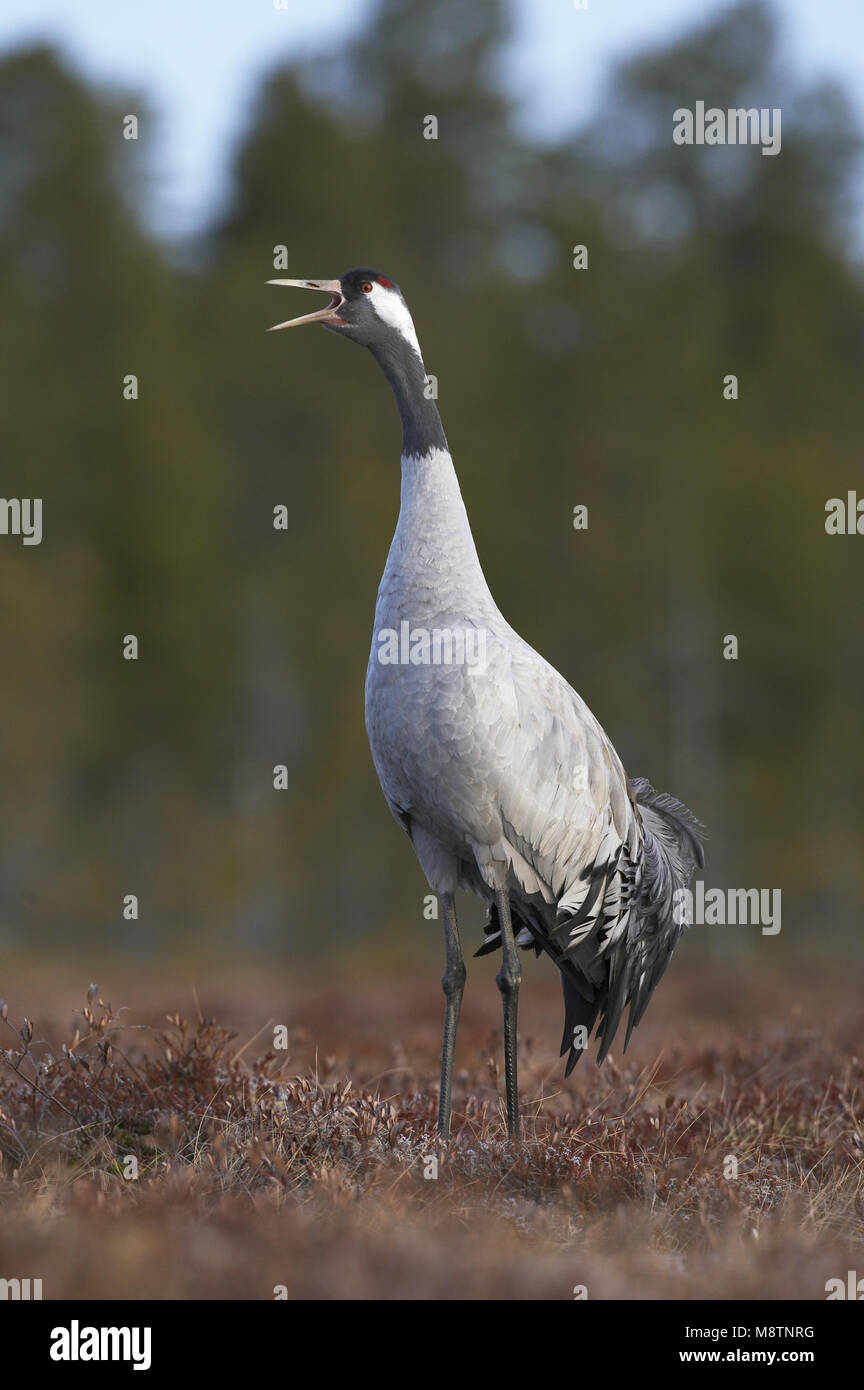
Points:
(306, 1168)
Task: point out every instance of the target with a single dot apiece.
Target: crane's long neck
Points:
(433, 550)
(402, 365)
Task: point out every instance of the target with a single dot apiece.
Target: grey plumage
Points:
(637, 946)
(500, 774)
(507, 769)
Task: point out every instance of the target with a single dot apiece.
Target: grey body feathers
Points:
(502, 777)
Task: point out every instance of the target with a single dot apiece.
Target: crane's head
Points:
(365, 306)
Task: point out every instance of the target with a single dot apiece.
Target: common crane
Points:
(499, 773)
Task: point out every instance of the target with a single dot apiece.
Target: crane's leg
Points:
(453, 982)
(508, 979)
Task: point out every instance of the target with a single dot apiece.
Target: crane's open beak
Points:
(328, 315)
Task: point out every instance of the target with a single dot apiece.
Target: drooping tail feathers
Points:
(671, 850)
(673, 824)
(626, 955)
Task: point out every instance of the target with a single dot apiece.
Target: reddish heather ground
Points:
(724, 1157)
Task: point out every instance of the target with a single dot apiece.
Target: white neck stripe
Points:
(390, 307)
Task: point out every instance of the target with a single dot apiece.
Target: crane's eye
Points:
(366, 287)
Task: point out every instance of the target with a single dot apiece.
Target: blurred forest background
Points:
(557, 387)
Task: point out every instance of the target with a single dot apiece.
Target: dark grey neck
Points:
(422, 429)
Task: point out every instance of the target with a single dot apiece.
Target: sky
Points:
(198, 62)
